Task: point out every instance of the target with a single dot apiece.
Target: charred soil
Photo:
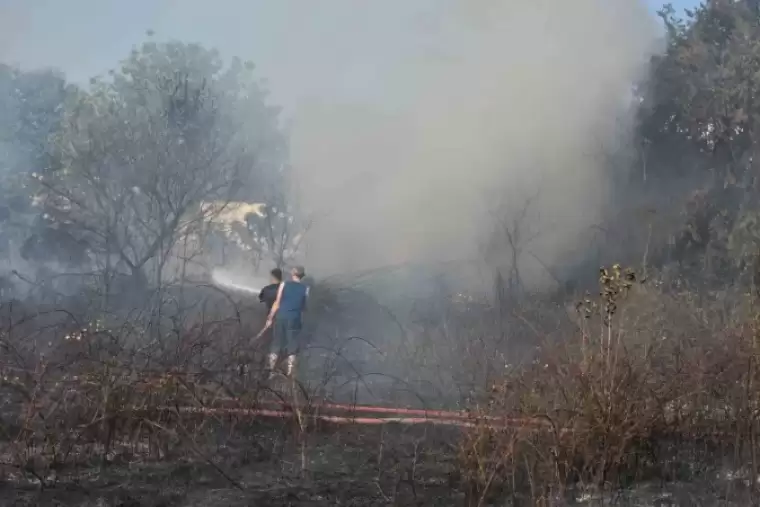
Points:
(347, 465)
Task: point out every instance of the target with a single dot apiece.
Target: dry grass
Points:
(650, 387)
(78, 394)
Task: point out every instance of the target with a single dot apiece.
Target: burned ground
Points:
(345, 466)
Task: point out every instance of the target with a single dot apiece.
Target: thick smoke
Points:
(418, 126)
(493, 104)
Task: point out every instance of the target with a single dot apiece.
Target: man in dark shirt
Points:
(268, 294)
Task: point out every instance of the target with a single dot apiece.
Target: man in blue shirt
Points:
(285, 316)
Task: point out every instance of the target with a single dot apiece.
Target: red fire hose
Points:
(360, 414)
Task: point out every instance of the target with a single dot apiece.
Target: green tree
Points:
(138, 153)
(31, 106)
(701, 124)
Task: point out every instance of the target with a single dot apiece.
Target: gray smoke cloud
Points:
(414, 123)
(492, 103)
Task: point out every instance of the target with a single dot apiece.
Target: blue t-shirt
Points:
(292, 301)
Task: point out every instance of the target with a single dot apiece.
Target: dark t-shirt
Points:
(268, 295)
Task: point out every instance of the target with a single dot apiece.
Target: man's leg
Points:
(278, 344)
(293, 346)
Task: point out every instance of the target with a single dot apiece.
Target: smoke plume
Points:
(493, 106)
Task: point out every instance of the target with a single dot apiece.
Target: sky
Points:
(303, 48)
(679, 5)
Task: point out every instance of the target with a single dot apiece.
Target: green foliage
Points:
(710, 74)
(137, 153)
(30, 112)
(701, 120)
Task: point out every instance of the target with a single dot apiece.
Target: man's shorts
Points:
(286, 336)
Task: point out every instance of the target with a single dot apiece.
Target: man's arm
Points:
(276, 305)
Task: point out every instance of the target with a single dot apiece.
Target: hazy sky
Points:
(305, 48)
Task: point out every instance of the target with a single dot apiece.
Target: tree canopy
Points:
(699, 128)
(136, 154)
(31, 108)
